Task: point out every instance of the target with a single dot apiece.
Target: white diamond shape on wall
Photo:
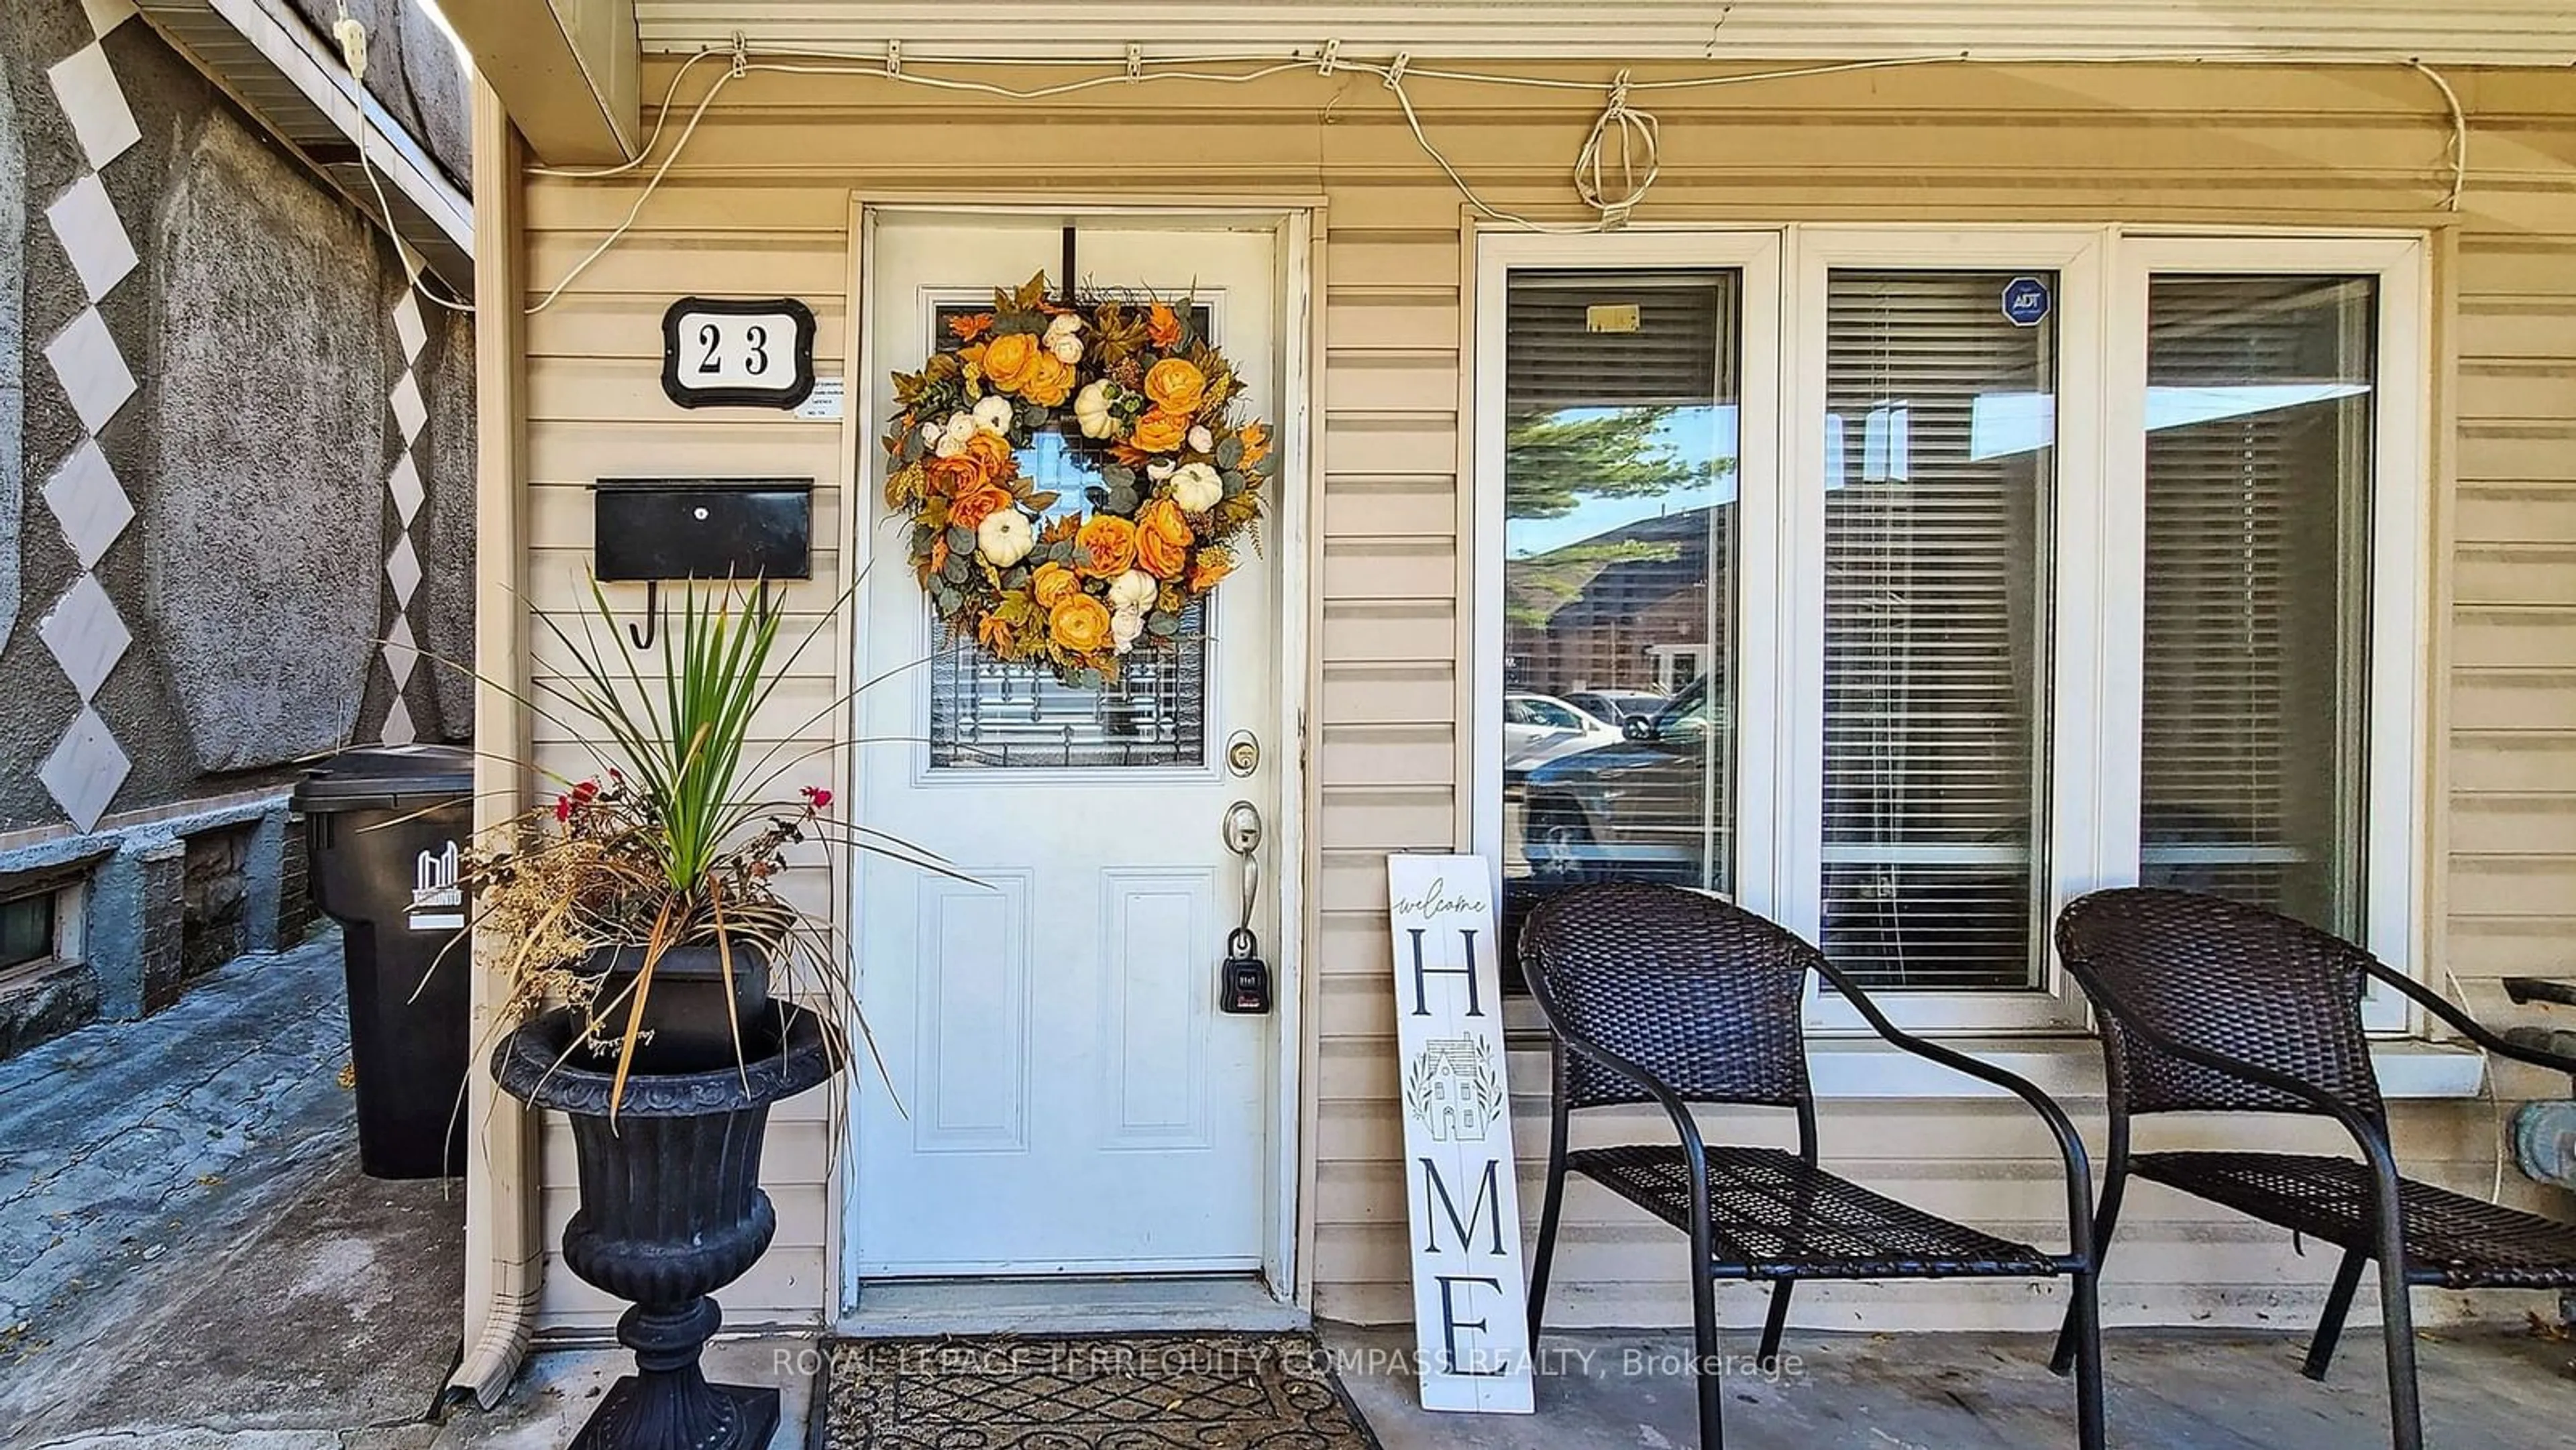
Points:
(409, 326)
(403, 568)
(88, 502)
(404, 483)
(94, 103)
(93, 373)
(402, 651)
(398, 727)
(86, 635)
(409, 410)
(85, 222)
(85, 769)
(106, 15)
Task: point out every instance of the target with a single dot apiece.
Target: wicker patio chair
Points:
(2210, 1005)
(1660, 995)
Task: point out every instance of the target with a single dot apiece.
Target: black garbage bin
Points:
(385, 824)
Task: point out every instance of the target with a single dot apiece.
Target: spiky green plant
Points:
(681, 842)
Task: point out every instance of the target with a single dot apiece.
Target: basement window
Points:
(27, 930)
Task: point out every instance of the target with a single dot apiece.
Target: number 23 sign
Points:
(738, 354)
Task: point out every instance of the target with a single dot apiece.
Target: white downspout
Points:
(504, 1253)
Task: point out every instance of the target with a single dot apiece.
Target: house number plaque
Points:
(724, 353)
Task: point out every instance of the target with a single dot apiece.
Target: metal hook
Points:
(643, 634)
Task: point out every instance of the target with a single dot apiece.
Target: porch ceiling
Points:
(2498, 32)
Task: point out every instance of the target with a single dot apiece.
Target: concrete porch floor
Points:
(189, 1260)
(2484, 1389)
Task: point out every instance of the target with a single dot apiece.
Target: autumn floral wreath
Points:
(1151, 408)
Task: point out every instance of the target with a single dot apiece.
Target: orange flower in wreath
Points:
(1162, 540)
(986, 461)
(1106, 547)
(1213, 565)
(1256, 443)
(1162, 326)
(1008, 360)
(1052, 585)
(1159, 432)
(977, 502)
(1175, 386)
(994, 633)
(1049, 381)
(1080, 625)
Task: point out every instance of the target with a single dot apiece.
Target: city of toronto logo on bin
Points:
(437, 904)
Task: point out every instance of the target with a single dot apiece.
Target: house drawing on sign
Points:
(1453, 1090)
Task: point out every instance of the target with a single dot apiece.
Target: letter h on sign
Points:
(1470, 1312)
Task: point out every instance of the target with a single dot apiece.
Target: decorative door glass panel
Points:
(989, 715)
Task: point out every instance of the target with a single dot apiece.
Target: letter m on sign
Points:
(1470, 1299)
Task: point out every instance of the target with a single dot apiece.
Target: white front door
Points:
(1065, 1096)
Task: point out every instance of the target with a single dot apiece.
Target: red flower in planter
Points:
(817, 798)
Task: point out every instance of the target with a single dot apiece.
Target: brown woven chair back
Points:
(2227, 978)
(1705, 996)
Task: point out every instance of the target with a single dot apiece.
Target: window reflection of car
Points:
(1618, 706)
(1539, 728)
(1632, 806)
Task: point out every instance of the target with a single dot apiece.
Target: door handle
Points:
(1243, 837)
(1243, 982)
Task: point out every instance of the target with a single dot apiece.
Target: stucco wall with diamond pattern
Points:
(230, 448)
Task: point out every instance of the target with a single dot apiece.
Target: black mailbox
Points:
(703, 528)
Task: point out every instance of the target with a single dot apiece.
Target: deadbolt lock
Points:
(1242, 753)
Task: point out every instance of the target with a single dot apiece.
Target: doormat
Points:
(1088, 1392)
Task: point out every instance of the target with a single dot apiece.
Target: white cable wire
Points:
(352, 36)
(1612, 187)
(2488, 1087)
(654, 184)
(2459, 153)
(661, 114)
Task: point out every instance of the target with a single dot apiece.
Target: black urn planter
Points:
(690, 1004)
(671, 1210)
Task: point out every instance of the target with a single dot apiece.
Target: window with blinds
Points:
(2259, 400)
(1939, 465)
(1619, 539)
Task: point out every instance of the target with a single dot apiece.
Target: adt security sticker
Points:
(2026, 301)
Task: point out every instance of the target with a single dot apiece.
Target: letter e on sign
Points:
(1470, 1300)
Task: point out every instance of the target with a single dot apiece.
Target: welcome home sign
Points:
(1470, 1302)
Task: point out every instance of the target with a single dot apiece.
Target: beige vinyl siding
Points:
(759, 206)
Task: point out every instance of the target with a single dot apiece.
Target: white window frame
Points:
(2097, 582)
(2398, 693)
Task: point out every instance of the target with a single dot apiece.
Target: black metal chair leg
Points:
(1543, 1257)
(2084, 1315)
(2106, 1218)
(2338, 1304)
(1707, 1366)
(2405, 1408)
(1774, 1323)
